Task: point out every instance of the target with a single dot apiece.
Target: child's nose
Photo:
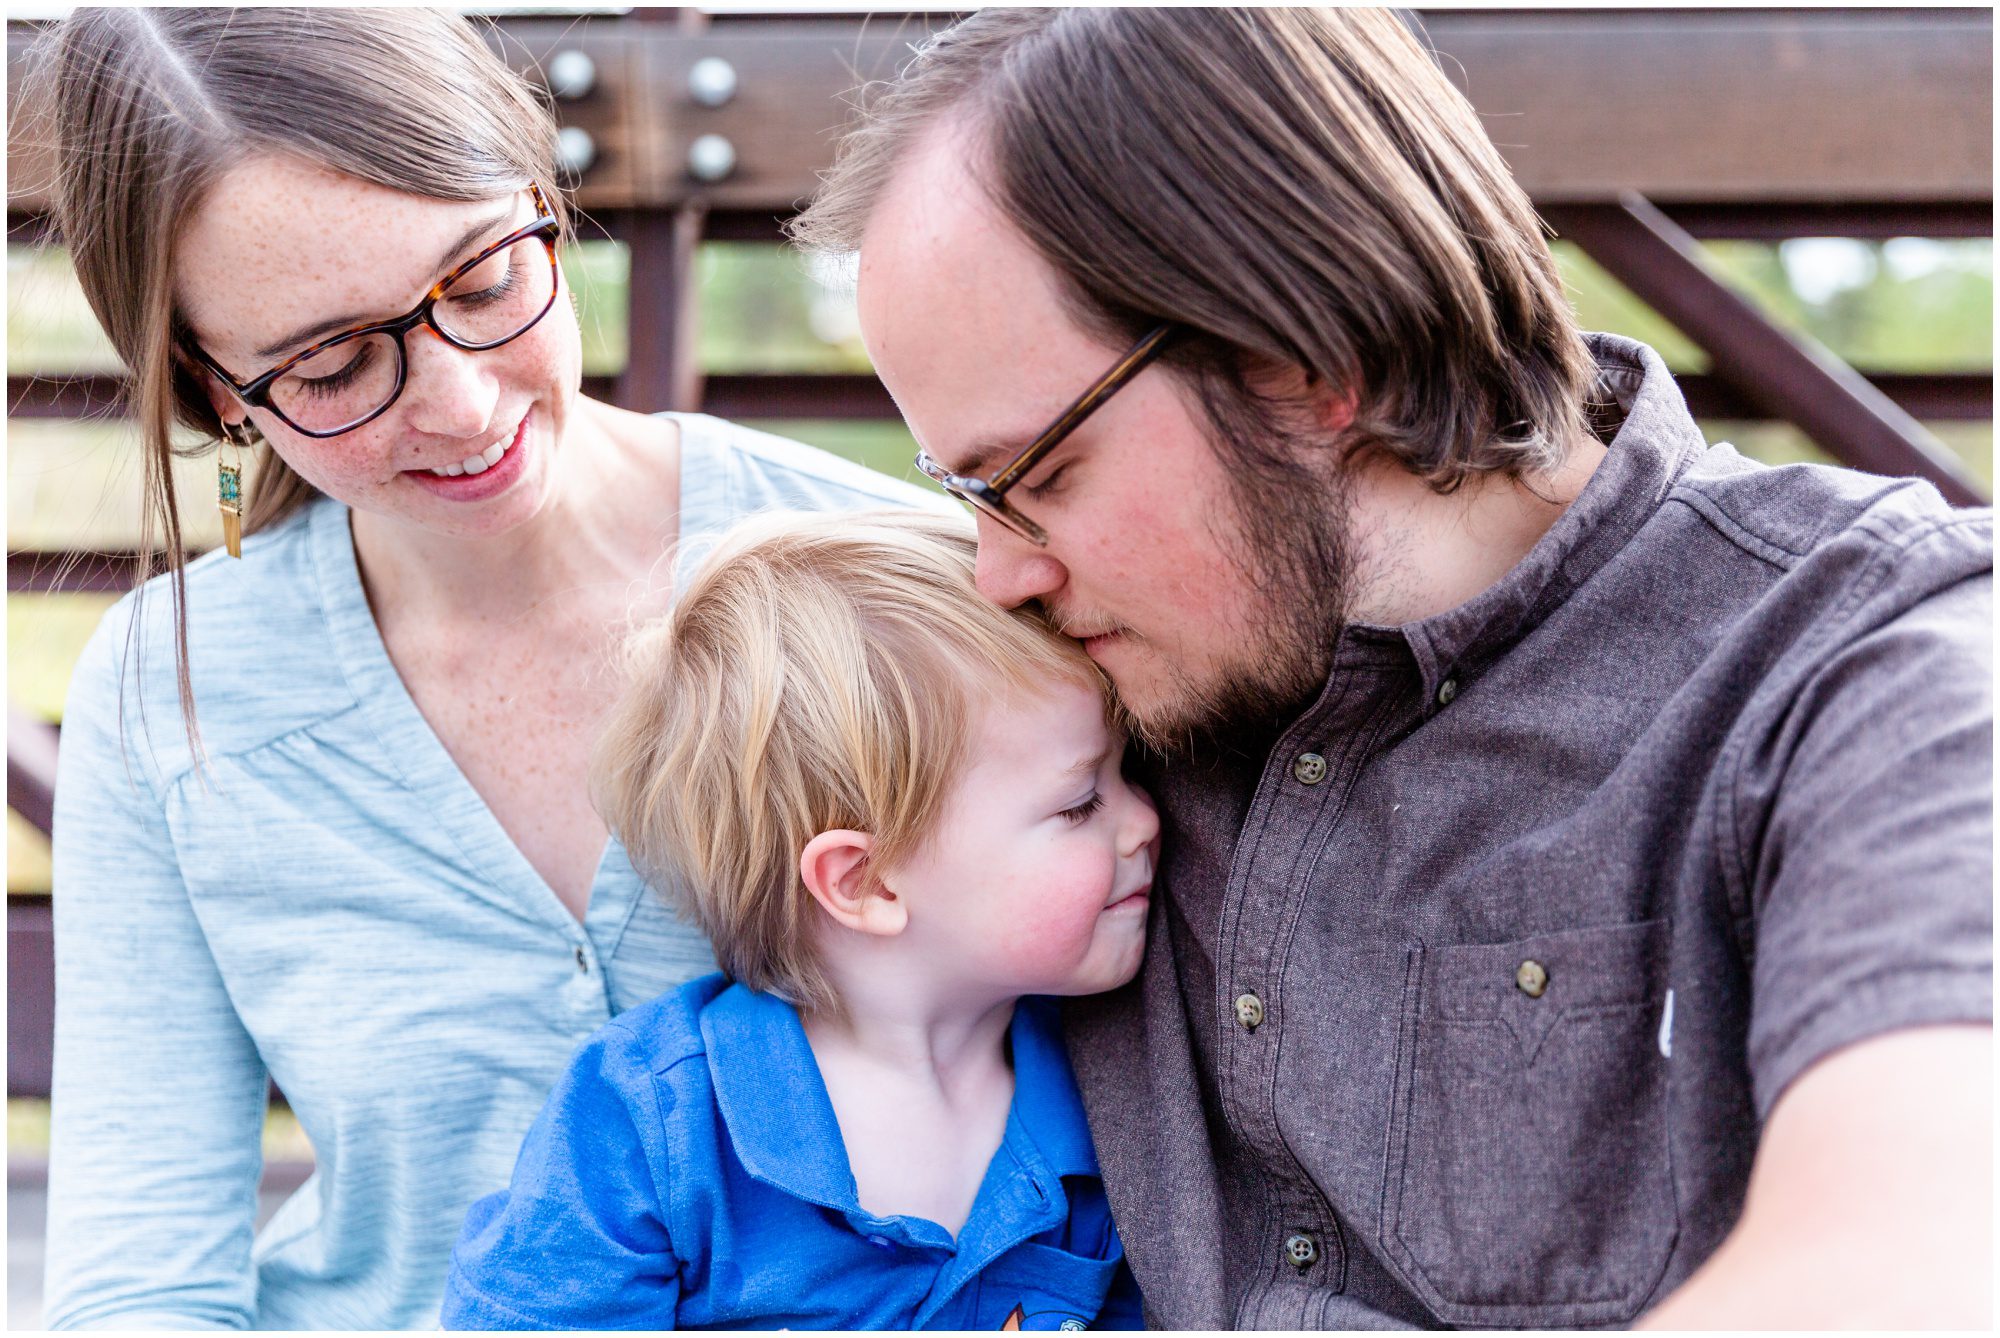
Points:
(1142, 822)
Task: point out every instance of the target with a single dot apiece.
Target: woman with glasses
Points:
(322, 818)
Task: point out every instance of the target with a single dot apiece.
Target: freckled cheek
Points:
(336, 465)
(547, 358)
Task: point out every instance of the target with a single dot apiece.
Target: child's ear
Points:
(834, 866)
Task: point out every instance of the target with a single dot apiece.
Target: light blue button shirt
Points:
(334, 908)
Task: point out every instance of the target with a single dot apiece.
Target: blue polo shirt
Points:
(688, 1172)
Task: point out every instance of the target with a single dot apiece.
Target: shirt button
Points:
(1310, 768)
(1249, 1011)
(582, 962)
(1532, 978)
(1446, 691)
(1301, 1250)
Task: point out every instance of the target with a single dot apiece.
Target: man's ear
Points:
(1335, 408)
(835, 868)
(1331, 407)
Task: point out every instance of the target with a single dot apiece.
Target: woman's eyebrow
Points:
(475, 233)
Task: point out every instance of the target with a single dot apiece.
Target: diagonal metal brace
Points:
(1785, 375)
(31, 768)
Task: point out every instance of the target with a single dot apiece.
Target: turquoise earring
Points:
(239, 437)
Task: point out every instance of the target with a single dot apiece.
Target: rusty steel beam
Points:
(1731, 105)
(1694, 105)
(1762, 221)
(31, 228)
(1784, 375)
(857, 396)
(1930, 396)
(661, 371)
(746, 225)
(1864, 220)
(53, 572)
(89, 395)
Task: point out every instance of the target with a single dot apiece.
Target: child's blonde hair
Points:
(818, 672)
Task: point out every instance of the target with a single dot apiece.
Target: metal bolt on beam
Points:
(712, 81)
(711, 158)
(572, 74)
(575, 150)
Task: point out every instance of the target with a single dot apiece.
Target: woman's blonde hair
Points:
(818, 672)
(148, 108)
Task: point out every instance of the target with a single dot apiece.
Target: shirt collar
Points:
(1654, 444)
(781, 1123)
(1046, 1101)
(772, 1098)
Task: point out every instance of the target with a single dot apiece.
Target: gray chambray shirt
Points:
(1470, 991)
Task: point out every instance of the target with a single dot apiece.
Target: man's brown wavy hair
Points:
(1298, 188)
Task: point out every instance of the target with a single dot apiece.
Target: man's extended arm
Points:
(1871, 1201)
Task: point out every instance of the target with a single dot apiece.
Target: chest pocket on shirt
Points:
(1529, 1178)
(1052, 1289)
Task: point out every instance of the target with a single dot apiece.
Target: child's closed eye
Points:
(1083, 811)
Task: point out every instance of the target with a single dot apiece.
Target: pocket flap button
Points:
(1301, 1249)
(1249, 1011)
(1532, 978)
(1310, 768)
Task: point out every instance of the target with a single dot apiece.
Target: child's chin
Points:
(1116, 978)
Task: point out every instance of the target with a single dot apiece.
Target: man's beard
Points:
(1290, 540)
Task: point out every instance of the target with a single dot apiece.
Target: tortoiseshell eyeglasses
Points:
(351, 378)
(989, 496)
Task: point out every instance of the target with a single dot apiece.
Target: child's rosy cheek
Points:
(1053, 937)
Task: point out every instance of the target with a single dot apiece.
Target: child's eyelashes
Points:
(1083, 811)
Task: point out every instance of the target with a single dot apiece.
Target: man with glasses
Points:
(1578, 875)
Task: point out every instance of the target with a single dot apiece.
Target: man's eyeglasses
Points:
(989, 496)
(353, 377)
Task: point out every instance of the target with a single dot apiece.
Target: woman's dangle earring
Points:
(229, 482)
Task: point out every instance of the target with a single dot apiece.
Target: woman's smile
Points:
(482, 474)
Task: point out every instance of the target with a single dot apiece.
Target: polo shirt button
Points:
(881, 1242)
(582, 962)
(1446, 691)
(1532, 978)
(1310, 768)
(1249, 1010)
(1301, 1249)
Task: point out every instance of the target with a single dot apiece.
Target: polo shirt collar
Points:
(773, 1100)
(1653, 446)
(1047, 1105)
